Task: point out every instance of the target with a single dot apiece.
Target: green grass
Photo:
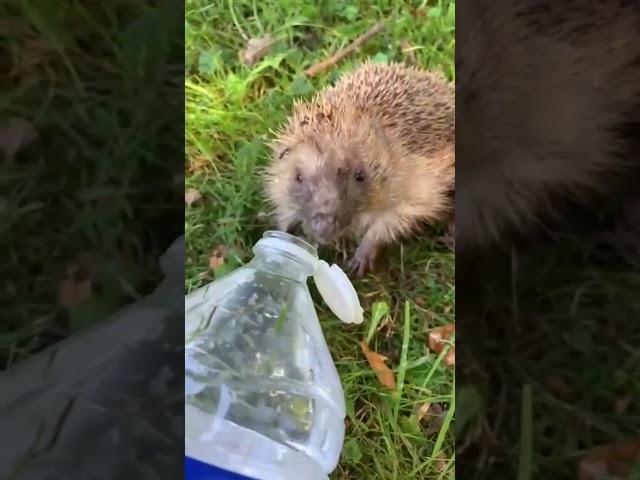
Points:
(230, 111)
(82, 75)
(554, 369)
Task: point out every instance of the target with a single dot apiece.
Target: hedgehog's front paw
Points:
(363, 261)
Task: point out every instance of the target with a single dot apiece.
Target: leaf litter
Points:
(616, 460)
(217, 257)
(439, 338)
(76, 285)
(256, 49)
(15, 134)
(377, 363)
(191, 196)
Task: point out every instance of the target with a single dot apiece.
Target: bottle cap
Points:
(338, 292)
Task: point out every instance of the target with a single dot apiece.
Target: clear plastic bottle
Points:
(262, 395)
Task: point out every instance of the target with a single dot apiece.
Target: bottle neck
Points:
(281, 263)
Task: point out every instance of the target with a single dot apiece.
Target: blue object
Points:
(197, 470)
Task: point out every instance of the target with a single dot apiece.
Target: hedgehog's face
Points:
(323, 186)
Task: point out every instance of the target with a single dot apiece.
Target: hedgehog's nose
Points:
(324, 226)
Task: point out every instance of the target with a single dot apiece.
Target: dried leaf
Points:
(439, 338)
(378, 365)
(441, 462)
(197, 163)
(76, 285)
(257, 48)
(422, 410)
(15, 134)
(216, 260)
(434, 418)
(191, 196)
(72, 292)
(622, 404)
(440, 335)
(450, 358)
(614, 460)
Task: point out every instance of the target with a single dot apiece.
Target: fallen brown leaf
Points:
(197, 163)
(450, 358)
(15, 134)
(72, 292)
(217, 256)
(438, 338)
(614, 460)
(440, 335)
(441, 461)
(191, 196)
(558, 385)
(257, 48)
(434, 418)
(422, 410)
(76, 285)
(378, 365)
(622, 404)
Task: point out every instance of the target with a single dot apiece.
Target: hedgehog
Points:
(547, 97)
(371, 157)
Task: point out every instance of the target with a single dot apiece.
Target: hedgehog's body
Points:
(371, 156)
(543, 90)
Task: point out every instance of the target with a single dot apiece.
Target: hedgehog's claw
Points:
(363, 261)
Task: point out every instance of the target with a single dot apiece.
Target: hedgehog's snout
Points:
(324, 226)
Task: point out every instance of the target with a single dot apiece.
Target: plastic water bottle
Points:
(263, 399)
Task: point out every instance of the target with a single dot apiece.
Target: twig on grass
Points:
(348, 50)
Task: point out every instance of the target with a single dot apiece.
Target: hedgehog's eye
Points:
(359, 176)
(298, 178)
(283, 153)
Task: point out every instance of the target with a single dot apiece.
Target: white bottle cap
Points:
(338, 292)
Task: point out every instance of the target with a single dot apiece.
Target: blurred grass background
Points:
(91, 182)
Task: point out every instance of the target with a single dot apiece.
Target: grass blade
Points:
(526, 435)
(406, 337)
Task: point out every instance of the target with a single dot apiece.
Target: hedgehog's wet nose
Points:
(324, 225)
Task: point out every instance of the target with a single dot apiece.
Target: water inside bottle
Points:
(252, 358)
